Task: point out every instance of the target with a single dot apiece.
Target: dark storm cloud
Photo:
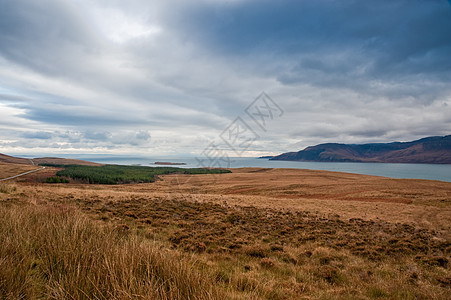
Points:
(335, 43)
(397, 31)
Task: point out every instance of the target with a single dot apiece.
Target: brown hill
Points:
(431, 150)
(14, 160)
(64, 161)
(45, 160)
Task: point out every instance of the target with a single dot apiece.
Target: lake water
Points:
(419, 171)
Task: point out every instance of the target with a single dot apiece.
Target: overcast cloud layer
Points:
(167, 77)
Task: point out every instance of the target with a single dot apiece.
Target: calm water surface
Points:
(419, 171)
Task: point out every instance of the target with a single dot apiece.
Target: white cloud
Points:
(102, 75)
(119, 27)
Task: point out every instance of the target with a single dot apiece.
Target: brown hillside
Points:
(45, 160)
(14, 160)
(64, 161)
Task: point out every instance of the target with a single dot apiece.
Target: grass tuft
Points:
(7, 188)
(56, 253)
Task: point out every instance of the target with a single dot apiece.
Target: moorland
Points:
(252, 233)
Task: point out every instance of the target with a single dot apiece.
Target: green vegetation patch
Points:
(116, 174)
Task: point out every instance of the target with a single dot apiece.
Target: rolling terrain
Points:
(45, 160)
(251, 234)
(430, 150)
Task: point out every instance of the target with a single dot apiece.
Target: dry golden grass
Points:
(273, 234)
(317, 185)
(425, 203)
(6, 159)
(8, 169)
(56, 253)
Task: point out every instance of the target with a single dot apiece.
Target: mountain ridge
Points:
(432, 150)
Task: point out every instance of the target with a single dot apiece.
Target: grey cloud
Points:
(78, 139)
(8, 98)
(79, 116)
(71, 136)
(45, 35)
(52, 39)
(351, 44)
(42, 135)
(97, 136)
(143, 135)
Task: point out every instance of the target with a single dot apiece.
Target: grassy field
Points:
(7, 169)
(249, 234)
(56, 253)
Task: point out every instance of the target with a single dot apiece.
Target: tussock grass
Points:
(56, 253)
(276, 254)
(7, 188)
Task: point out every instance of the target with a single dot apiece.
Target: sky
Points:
(173, 77)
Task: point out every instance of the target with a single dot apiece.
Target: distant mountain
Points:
(429, 150)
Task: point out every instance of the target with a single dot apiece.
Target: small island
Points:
(167, 163)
